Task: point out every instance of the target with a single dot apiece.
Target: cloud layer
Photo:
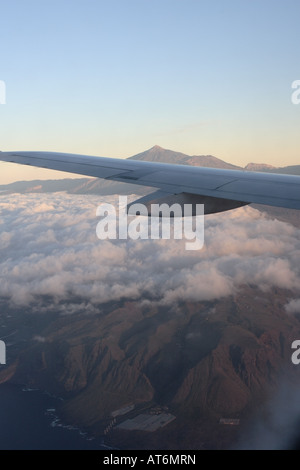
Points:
(49, 247)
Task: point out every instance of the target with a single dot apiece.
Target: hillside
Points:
(205, 362)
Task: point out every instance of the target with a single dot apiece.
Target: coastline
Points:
(29, 420)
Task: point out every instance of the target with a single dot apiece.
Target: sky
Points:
(116, 77)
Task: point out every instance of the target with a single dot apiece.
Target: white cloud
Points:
(48, 246)
(293, 306)
(39, 339)
(278, 427)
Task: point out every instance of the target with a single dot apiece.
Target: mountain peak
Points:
(156, 147)
(259, 167)
(159, 154)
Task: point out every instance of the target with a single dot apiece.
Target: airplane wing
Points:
(217, 189)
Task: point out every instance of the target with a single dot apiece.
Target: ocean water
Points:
(28, 421)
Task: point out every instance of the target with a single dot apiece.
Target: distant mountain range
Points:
(155, 154)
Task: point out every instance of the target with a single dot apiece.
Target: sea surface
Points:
(28, 421)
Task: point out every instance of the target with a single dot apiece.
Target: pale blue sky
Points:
(115, 77)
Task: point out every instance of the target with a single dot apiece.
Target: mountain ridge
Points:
(213, 360)
(159, 154)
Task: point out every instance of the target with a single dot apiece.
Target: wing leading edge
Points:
(217, 189)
